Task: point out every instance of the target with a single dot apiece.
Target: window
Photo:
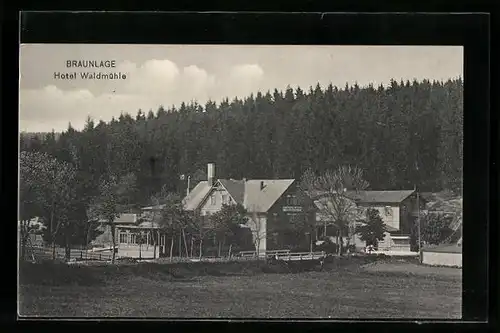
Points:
(123, 238)
(212, 200)
(292, 200)
(388, 211)
(132, 239)
(225, 199)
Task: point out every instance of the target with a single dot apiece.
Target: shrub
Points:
(328, 246)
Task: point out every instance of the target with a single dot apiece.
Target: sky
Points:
(170, 74)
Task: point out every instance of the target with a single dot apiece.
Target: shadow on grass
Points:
(59, 274)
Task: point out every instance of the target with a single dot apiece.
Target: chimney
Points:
(211, 173)
(261, 185)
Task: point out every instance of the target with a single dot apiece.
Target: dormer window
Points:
(212, 200)
(225, 199)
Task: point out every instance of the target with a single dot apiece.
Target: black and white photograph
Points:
(240, 181)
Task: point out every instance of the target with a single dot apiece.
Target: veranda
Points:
(145, 241)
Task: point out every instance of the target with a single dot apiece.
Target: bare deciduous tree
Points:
(167, 207)
(199, 224)
(331, 192)
(257, 225)
(106, 206)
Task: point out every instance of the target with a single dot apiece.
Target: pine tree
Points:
(406, 133)
(372, 231)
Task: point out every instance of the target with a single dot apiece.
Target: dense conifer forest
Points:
(404, 134)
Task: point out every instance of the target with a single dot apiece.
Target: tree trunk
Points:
(338, 243)
(53, 249)
(113, 256)
(164, 243)
(67, 247)
(88, 237)
(23, 236)
(185, 242)
(219, 249)
(180, 245)
(229, 252)
(159, 242)
(311, 242)
(341, 245)
(154, 244)
(53, 236)
(201, 247)
(192, 246)
(172, 248)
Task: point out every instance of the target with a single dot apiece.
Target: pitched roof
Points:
(236, 189)
(123, 219)
(196, 196)
(379, 196)
(257, 200)
(248, 193)
(149, 225)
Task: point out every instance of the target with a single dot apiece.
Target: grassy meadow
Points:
(345, 288)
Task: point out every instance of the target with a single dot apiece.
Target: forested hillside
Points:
(407, 133)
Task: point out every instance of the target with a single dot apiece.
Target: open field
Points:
(388, 289)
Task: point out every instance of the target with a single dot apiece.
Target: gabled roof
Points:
(248, 193)
(368, 197)
(236, 189)
(196, 196)
(260, 201)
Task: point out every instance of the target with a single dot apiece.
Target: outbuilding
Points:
(445, 255)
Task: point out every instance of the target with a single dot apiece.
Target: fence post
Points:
(81, 254)
(99, 256)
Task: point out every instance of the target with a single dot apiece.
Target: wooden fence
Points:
(45, 253)
(283, 255)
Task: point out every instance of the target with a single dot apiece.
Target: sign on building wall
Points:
(292, 209)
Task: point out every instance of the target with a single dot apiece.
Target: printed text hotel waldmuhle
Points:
(83, 67)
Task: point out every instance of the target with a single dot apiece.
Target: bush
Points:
(328, 246)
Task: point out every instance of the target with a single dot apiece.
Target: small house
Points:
(268, 202)
(135, 238)
(443, 255)
(398, 209)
